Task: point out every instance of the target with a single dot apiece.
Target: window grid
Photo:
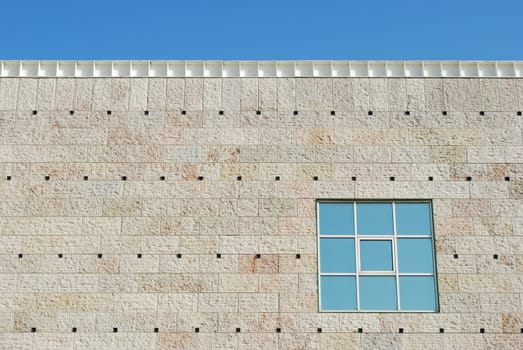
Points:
(395, 272)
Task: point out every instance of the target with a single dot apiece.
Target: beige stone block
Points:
(415, 94)
(463, 341)
(397, 93)
(284, 283)
(258, 302)
(258, 341)
(298, 302)
(193, 94)
(226, 264)
(341, 91)
(297, 341)
(212, 93)
(268, 93)
(508, 94)
(175, 94)
(231, 93)
(247, 322)
(335, 341)
(117, 283)
(249, 94)
(8, 93)
(156, 94)
(26, 99)
(199, 244)
(138, 94)
(178, 302)
(239, 244)
(218, 302)
(490, 99)
(170, 263)
(45, 94)
(360, 94)
(187, 322)
(264, 264)
(238, 283)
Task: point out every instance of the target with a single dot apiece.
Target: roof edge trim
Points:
(262, 69)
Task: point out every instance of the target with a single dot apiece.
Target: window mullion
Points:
(395, 255)
(357, 256)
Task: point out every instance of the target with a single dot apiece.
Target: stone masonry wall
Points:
(133, 210)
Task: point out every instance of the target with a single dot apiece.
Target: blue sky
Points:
(262, 30)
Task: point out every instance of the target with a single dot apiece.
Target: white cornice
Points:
(422, 69)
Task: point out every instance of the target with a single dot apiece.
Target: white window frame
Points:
(394, 238)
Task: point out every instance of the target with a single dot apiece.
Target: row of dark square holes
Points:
(294, 112)
(179, 256)
(278, 330)
(239, 178)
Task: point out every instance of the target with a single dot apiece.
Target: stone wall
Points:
(168, 213)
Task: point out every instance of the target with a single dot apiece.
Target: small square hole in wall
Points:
(507, 178)
(278, 330)
(258, 112)
(353, 178)
(197, 330)
(442, 330)
(33, 330)
(315, 178)
(20, 256)
(360, 330)
(239, 178)
(258, 256)
(124, 178)
(71, 112)
(319, 330)
(400, 330)
(156, 330)
(73, 330)
(60, 256)
(333, 112)
(444, 113)
(519, 113)
(47, 178)
(200, 178)
(139, 256)
(407, 112)
(109, 112)
(179, 256)
(86, 178)
(392, 178)
(8, 178)
(100, 256)
(468, 178)
(218, 256)
(481, 113)
(34, 113)
(456, 256)
(162, 178)
(277, 178)
(295, 113)
(220, 112)
(495, 256)
(145, 112)
(184, 112)
(482, 330)
(521, 330)
(431, 178)
(298, 256)
(238, 330)
(115, 330)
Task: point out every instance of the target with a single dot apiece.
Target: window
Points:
(376, 256)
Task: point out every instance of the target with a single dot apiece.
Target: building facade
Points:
(261, 205)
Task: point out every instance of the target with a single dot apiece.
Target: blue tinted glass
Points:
(415, 255)
(374, 218)
(337, 255)
(376, 255)
(417, 293)
(336, 219)
(378, 293)
(338, 293)
(413, 219)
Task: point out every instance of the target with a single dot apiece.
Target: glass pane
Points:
(415, 255)
(338, 293)
(378, 293)
(417, 293)
(336, 219)
(413, 219)
(374, 218)
(337, 255)
(376, 255)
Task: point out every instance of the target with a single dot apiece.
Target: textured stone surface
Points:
(182, 203)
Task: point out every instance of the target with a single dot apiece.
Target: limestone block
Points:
(231, 94)
(268, 93)
(258, 302)
(508, 94)
(360, 94)
(239, 244)
(198, 244)
(284, 283)
(295, 341)
(257, 341)
(378, 95)
(459, 302)
(247, 322)
(249, 94)
(372, 154)
(26, 99)
(298, 302)
(226, 264)
(45, 94)
(193, 94)
(156, 94)
(323, 94)
(490, 98)
(212, 94)
(415, 94)
(207, 322)
(397, 94)
(334, 341)
(218, 302)
(238, 283)
(341, 91)
(178, 302)
(8, 93)
(264, 264)
(175, 94)
(277, 207)
(138, 94)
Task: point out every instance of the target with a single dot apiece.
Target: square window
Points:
(376, 256)
(374, 218)
(337, 255)
(336, 218)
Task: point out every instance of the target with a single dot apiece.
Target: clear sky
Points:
(262, 30)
